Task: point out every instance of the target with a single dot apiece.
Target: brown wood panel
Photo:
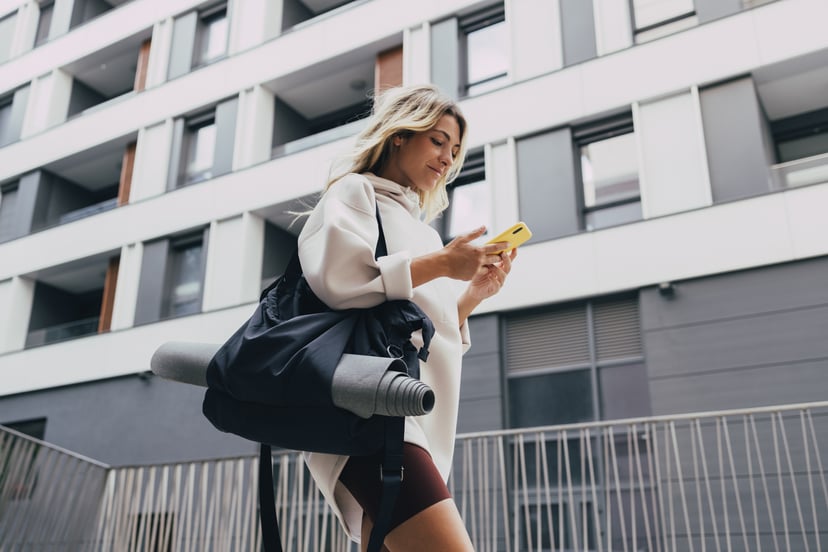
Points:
(388, 71)
(143, 63)
(127, 165)
(108, 300)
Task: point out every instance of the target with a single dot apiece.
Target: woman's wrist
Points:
(466, 305)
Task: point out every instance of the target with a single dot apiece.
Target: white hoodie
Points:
(336, 249)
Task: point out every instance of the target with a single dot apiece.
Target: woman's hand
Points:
(487, 282)
(490, 278)
(459, 260)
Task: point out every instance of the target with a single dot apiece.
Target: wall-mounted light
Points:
(667, 289)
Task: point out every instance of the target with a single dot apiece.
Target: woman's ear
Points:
(396, 141)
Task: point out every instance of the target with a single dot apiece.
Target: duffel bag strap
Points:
(271, 539)
(391, 473)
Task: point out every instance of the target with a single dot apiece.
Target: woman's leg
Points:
(438, 528)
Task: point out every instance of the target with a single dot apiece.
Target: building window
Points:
(469, 199)
(656, 18)
(198, 148)
(576, 363)
(608, 162)
(185, 276)
(211, 36)
(484, 50)
(8, 203)
(44, 22)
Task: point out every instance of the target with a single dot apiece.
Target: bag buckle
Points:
(383, 471)
(394, 351)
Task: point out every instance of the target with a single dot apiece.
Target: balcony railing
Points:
(800, 172)
(61, 332)
(751, 479)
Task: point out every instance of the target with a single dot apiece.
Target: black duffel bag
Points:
(271, 382)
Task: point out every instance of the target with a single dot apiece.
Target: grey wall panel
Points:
(738, 294)
(788, 383)
(736, 154)
(751, 338)
(226, 113)
(294, 12)
(547, 186)
(176, 152)
(578, 28)
(481, 391)
(28, 192)
(278, 247)
(82, 97)
(445, 56)
(151, 283)
(57, 196)
(770, 338)
(708, 10)
(11, 132)
(183, 43)
(127, 420)
(288, 125)
(480, 415)
(84, 10)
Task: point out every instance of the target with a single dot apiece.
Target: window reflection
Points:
(488, 61)
(212, 34)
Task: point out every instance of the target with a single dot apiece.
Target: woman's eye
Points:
(436, 142)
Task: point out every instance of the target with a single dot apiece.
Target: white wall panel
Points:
(613, 25)
(253, 22)
(673, 170)
(535, 32)
(116, 353)
(254, 127)
(502, 176)
(48, 103)
(152, 159)
(416, 53)
(61, 18)
(126, 288)
(16, 295)
(159, 57)
(234, 262)
(24, 35)
(807, 221)
(9, 6)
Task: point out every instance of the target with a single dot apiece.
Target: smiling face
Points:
(420, 161)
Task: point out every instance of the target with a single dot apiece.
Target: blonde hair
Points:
(403, 111)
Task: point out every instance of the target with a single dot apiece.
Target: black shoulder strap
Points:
(390, 471)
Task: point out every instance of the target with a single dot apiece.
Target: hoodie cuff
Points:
(395, 271)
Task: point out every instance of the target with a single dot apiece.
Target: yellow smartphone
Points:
(516, 235)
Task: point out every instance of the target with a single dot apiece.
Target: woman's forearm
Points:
(427, 268)
(465, 306)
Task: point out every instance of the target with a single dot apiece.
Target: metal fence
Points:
(734, 480)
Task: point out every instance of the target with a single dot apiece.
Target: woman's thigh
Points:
(438, 528)
(422, 485)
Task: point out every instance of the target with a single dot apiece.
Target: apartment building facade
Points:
(671, 157)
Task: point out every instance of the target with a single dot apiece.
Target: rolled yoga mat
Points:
(364, 385)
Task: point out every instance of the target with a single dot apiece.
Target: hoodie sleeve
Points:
(337, 246)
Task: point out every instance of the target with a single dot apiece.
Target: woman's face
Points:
(420, 161)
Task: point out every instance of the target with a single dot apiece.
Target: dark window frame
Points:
(468, 24)
(177, 246)
(591, 133)
(205, 18)
(191, 127)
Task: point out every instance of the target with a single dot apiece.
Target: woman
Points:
(414, 143)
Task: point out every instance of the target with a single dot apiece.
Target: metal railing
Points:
(800, 172)
(752, 479)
